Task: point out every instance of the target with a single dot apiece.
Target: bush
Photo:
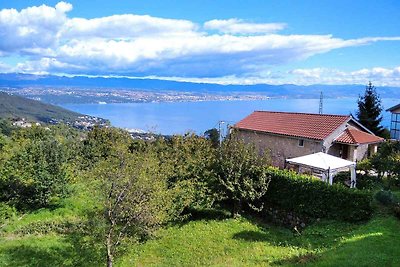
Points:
(364, 165)
(32, 169)
(364, 181)
(393, 182)
(6, 212)
(385, 197)
(313, 198)
(396, 210)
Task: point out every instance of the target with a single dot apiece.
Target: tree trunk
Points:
(237, 207)
(109, 248)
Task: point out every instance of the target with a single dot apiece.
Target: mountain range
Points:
(16, 80)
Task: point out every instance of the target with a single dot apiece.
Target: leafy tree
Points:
(370, 109)
(242, 174)
(32, 168)
(6, 127)
(99, 144)
(387, 159)
(213, 136)
(188, 162)
(133, 193)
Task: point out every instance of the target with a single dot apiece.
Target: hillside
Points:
(13, 107)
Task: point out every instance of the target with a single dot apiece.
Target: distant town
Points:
(82, 122)
(57, 95)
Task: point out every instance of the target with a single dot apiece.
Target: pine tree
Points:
(370, 109)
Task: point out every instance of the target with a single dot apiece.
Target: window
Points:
(395, 126)
(301, 142)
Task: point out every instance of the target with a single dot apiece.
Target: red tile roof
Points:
(305, 125)
(355, 137)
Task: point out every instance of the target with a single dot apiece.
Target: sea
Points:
(180, 117)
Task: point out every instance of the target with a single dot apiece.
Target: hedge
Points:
(311, 197)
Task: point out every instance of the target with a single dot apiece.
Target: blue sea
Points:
(181, 117)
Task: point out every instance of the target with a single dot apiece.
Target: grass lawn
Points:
(240, 242)
(40, 239)
(52, 238)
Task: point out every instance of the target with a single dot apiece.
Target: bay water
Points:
(181, 117)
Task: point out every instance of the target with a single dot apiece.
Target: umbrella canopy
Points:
(328, 164)
(321, 161)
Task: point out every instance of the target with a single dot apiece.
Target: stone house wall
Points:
(279, 147)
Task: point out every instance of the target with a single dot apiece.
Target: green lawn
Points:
(216, 241)
(240, 242)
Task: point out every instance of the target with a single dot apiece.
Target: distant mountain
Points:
(286, 90)
(16, 107)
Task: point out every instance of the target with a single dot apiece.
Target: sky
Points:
(229, 42)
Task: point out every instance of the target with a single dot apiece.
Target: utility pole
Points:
(220, 131)
(321, 103)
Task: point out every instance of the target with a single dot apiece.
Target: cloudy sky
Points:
(240, 42)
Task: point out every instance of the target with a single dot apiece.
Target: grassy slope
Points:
(12, 106)
(241, 243)
(38, 239)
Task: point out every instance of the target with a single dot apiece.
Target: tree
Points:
(133, 198)
(387, 159)
(213, 136)
(242, 173)
(133, 188)
(370, 109)
(32, 168)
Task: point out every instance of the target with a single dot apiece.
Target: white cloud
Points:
(381, 76)
(142, 45)
(32, 30)
(127, 26)
(237, 26)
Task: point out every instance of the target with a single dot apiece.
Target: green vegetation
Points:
(211, 239)
(16, 107)
(311, 197)
(369, 111)
(242, 174)
(71, 198)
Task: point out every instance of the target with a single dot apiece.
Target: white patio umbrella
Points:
(329, 165)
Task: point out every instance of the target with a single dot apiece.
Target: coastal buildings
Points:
(395, 122)
(286, 135)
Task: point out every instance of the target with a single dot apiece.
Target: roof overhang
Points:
(393, 108)
(277, 134)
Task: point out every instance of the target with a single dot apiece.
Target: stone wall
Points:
(279, 147)
(286, 219)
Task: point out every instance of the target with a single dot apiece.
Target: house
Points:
(287, 135)
(395, 122)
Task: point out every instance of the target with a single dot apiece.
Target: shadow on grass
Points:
(72, 250)
(208, 214)
(365, 251)
(320, 235)
(191, 215)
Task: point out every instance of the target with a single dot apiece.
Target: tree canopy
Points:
(370, 109)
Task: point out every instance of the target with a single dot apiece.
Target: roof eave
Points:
(279, 134)
(393, 108)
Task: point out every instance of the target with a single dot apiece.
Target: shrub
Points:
(364, 181)
(32, 169)
(364, 165)
(396, 210)
(385, 197)
(311, 197)
(6, 212)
